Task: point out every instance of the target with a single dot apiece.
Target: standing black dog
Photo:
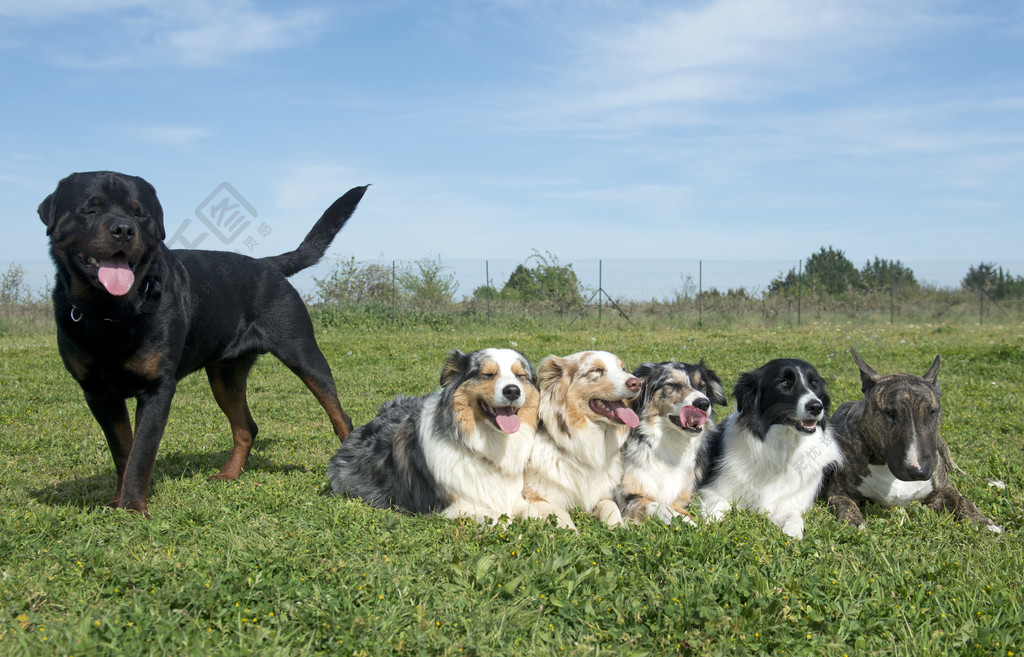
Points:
(134, 317)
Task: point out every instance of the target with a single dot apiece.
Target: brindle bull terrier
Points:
(893, 451)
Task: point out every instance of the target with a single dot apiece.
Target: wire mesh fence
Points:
(693, 292)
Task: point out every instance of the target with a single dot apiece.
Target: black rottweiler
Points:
(134, 317)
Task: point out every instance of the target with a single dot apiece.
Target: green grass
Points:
(272, 565)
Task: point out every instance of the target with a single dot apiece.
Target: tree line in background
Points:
(426, 282)
(830, 272)
(825, 283)
(542, 279)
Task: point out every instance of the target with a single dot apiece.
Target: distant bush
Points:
(356, 282)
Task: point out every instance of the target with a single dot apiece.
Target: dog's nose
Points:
(703, 403)
(814, 407)
(511, 391)
(916, 472)
(122, 231)
(634, 384)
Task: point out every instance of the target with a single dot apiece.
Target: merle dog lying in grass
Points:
(894, 453)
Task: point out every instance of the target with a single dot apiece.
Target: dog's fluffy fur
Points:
(773, 453)
(460, 451)
(665, 455)
(584, 420)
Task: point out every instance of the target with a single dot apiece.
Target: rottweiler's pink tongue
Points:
(625, 414)
(116, 276)
(693, 417)
(506, 418)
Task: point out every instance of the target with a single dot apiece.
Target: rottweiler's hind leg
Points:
(228, 381)
(304, 358)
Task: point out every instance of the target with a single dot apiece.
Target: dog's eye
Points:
(890, 413)
(597, 371)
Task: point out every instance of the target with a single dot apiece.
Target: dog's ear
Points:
(932, 375)
(46, 213)
(714, 388)
(454, 367)
(528, 366)
(748, 400)
(868, 376)
(550, 371)
(643, 372)
(153, 204)
(747, 391)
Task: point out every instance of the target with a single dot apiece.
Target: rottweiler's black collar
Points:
(145, 298)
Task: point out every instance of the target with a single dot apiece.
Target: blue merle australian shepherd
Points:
(665, 455)
(459, 451)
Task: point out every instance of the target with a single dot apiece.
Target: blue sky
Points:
(746, 131)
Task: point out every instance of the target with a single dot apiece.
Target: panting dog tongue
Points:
(625, 414)
(506, 419)
(116, 275)
(692, 417)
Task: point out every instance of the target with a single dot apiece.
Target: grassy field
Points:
(272, 565)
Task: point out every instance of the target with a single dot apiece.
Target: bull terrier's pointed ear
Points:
(454, 367)
(932, 376)
(868, 376)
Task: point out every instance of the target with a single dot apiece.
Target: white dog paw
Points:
(662, 512)
(794, 527)
(608, 511)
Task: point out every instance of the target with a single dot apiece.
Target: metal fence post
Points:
(487, 283)
(799, 289)
(892, 300)
(981, 304)
(700, 293)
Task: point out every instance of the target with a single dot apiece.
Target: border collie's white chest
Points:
(881, 486)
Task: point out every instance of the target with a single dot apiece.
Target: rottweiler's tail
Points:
(314, 246)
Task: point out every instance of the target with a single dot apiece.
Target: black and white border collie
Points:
(460, 451)
(666, 454)
(772, 453)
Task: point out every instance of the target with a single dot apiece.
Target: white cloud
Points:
(222, 31)
(134, 33)
(677, 65)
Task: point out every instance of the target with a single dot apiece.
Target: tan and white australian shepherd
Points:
(460, 451)
(584, 420)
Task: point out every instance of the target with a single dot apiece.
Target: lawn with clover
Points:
(272, 565)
